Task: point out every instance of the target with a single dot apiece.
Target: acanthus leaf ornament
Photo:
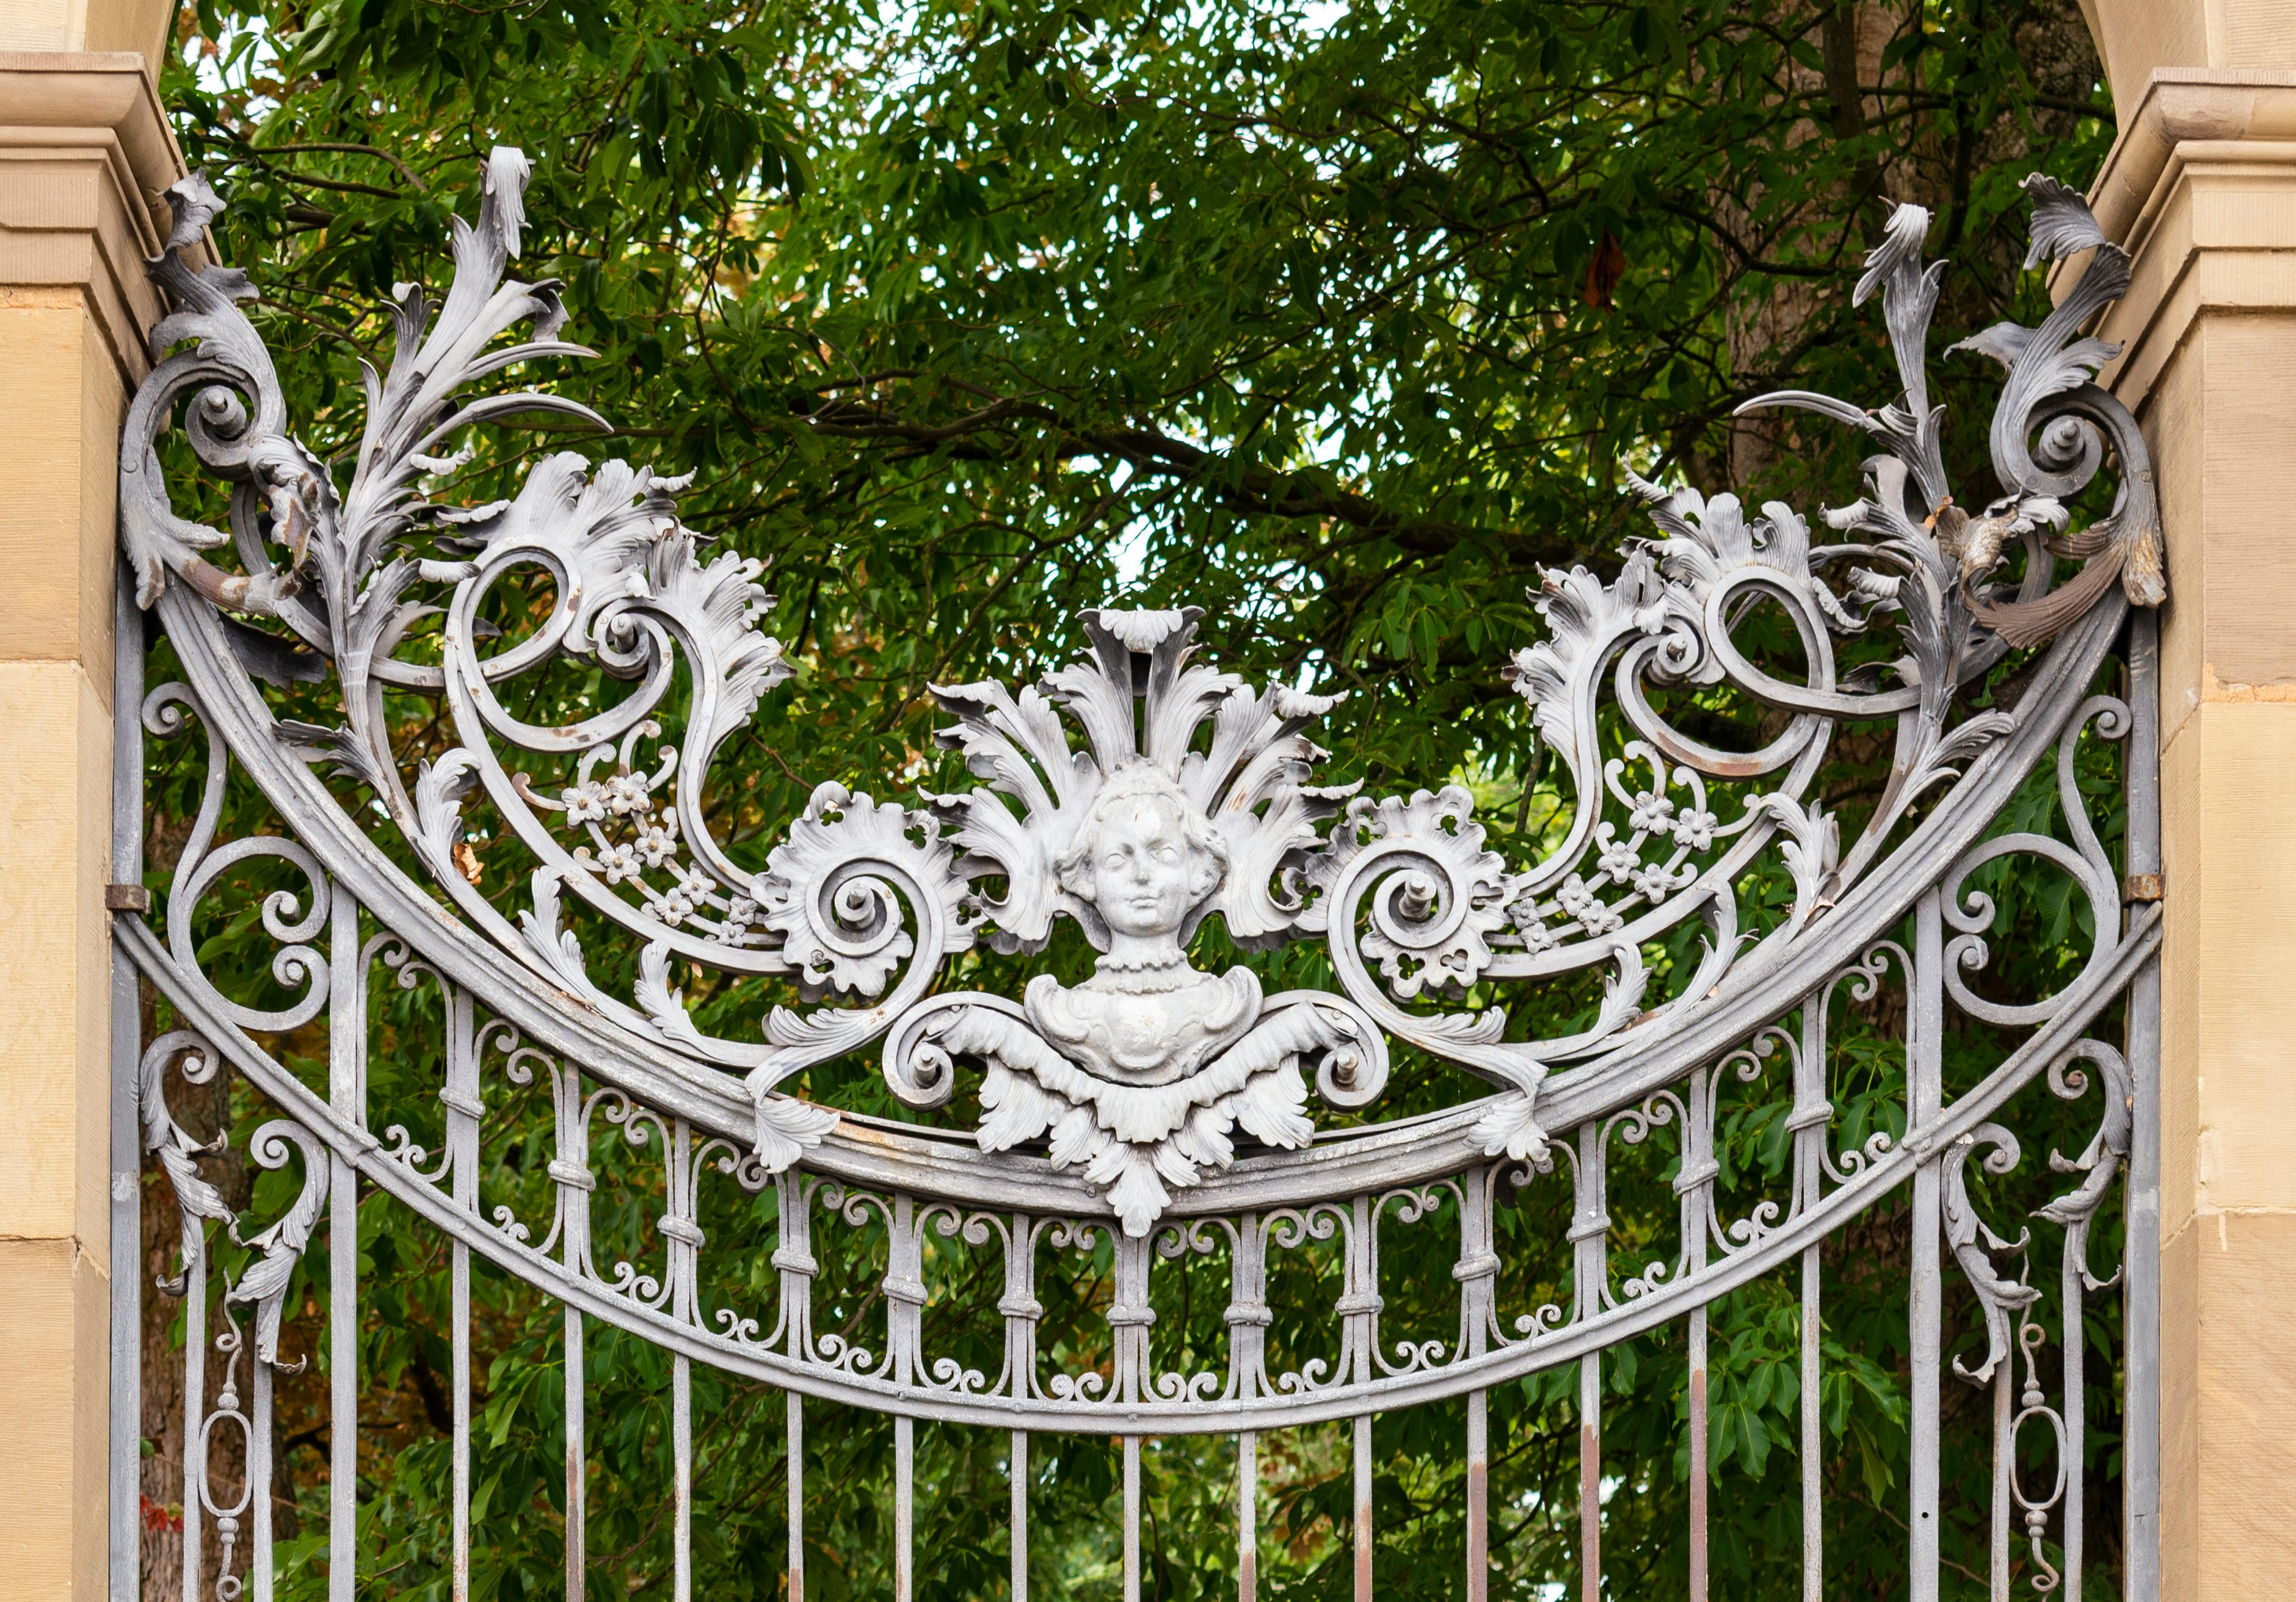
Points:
(1140, 1075)
(630, 1008)
(282, 1242)
(197, 1202)
(1135, 794)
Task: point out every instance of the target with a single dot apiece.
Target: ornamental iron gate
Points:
(1173, 1130)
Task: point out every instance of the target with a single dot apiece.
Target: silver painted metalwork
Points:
(125, 1447)
(1133, 797)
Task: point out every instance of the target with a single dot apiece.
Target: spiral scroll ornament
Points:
(1134, 797)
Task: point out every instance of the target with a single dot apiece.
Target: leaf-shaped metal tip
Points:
(1651, 494)
(2063, 223)
(1901, 242)
(1141, 631)
(2004, 342)
(503, 208)
(552, 316)
(195, 202)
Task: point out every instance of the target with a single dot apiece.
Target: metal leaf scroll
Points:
(556, 893)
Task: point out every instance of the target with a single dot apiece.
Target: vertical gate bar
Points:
(1477, 1273)
(571, 1172)
(1590, 1233)
(1925, 1096)
(2076, 1416)
(127, 1399)
(578, 1461)
(1363, 1531)
(905, 1297)
(258, 1482)
(461, 1381)
(681, 1447)
(1017, 1468)
(1997, 1565)
(1246, 1318)
(1131, 1519)
(1699, 1453)
(346, 1096)
(1247, 1516)
(1813, 1504)
(1590, 1477)
(2141, 1328)
(795, 1475)
(905, 1481)
(1812, 1114)
(1478, 1497)
(684, 1241)
(195, 1407)
(1692, 1183)
(464, 1108)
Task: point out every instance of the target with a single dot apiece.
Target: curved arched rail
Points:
(1165, 1116)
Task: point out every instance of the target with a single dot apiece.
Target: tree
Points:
(1339, 322)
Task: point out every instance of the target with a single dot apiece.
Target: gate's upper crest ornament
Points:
(502, 800)
(1141, 1074)
(1136, 793)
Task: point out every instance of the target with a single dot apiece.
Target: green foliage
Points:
(1337, 320)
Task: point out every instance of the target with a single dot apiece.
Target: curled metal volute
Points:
(2101, 1163)
(1138, 795)
(197, 1201)
(227, 368)
(917, 1066)
(282, 1242)
(1974, 1244)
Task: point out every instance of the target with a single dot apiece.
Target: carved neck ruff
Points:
(1144, 973)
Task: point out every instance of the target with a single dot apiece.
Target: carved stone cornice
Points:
(88, 153)
(2201, 189)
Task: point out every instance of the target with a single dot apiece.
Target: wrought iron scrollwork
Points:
(1177, 1119)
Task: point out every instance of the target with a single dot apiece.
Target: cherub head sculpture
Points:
(1146, 859)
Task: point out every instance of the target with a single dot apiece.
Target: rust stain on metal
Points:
(1698, 1483)
(1479, 1536)
(1363, 1539)
(1590, 1512)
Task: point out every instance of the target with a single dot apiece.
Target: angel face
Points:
(1144, 872)
(1145, 857)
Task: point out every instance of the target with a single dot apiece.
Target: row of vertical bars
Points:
(346, 1100)
(1926, 1329)
(1927, 1368)
(1589, 1230)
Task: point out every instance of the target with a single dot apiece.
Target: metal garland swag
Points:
(1182, 1117)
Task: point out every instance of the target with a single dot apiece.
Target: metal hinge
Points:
(126, 898)
(2141, 886)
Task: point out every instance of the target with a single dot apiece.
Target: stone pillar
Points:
(83, 152)
(2201, 187)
